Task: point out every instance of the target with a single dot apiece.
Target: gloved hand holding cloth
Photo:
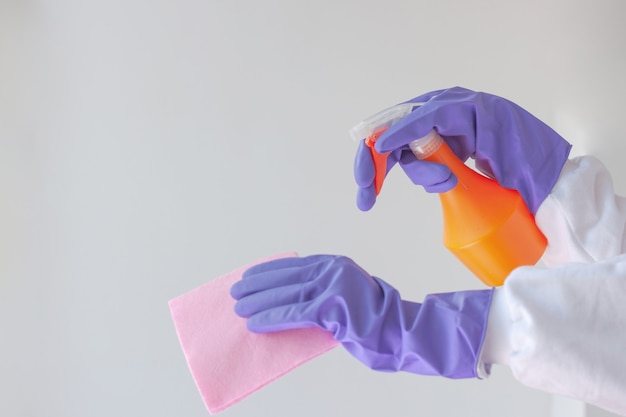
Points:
(441, 336)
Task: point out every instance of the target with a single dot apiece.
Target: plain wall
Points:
(147, 147)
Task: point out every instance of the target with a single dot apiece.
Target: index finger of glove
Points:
(451, 113)
(282, 263)
(395, 144)
(266, 281)
(274, 274)
(413, 126)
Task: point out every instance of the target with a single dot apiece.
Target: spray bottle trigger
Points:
(379, 159)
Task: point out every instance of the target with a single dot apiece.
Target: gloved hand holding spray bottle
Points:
(486, 226)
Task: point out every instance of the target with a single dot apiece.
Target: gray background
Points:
(147, 147)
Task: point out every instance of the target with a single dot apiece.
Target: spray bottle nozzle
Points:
(372, 127)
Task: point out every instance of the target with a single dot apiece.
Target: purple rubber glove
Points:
(508, 144)
(441, 336)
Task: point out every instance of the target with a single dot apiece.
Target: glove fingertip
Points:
(255, 328)
(240, 309)
(236, 290)
(365, 198)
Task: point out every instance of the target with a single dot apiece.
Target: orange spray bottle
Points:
(486, 226)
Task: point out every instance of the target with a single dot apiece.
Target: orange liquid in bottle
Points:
(487, 227)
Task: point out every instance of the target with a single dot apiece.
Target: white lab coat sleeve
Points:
(562, 328)
(582, 217)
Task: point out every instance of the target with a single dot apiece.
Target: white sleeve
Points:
(562, 329)
(582, 217)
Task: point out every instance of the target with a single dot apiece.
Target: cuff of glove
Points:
(497, 346)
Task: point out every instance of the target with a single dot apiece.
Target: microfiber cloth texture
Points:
(226, 360)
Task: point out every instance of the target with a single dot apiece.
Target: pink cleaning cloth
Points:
(227, 361)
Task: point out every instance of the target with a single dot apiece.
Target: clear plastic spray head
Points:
(371, 128)
(381, 120)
